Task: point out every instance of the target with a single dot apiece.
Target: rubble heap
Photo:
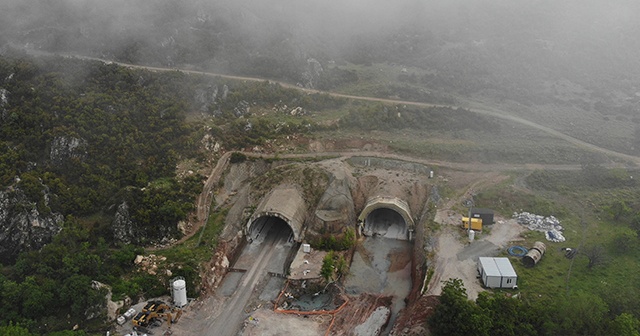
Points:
(549, 225)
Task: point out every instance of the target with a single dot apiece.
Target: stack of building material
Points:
(549, 225)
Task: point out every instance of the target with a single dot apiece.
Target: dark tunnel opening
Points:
(387, 223)
(269, 227)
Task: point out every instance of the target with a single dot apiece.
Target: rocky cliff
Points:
(64, 148)
(22, 226)
(122, 225)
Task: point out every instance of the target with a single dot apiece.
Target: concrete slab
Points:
(306, 265)
(284, 202)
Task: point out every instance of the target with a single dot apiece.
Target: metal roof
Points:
(497, 267)
(504, 265)
(482, 211)
(489, 266)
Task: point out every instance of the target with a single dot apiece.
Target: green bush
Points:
(328, 242)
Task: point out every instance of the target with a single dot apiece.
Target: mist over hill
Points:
(468, 46)
(99, 161)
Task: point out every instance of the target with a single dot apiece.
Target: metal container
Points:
(535, 254)
(179, 292)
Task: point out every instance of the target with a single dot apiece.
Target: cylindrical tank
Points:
(179, 292)
(472, 235)
(540, 246)
(535, 254)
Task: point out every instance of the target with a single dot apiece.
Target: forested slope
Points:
(88, 175)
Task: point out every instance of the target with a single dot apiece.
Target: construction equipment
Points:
(141, 319)
(178, 313)
(476, 223)
(155, 306)
(144, 319)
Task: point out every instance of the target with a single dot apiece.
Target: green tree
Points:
(508, 315)
(625, 241)
(580, 313)
(596, 254)
(618, 210)
(327, 267)
(456, 315)
(341, 266)
(625, 325)
(14, 330)
(68, 333)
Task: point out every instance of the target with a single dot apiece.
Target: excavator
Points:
(155, 306)
(145, 319)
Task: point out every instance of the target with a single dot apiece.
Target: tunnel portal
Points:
(387, 223)
(284, 205)
(389, 217)
(265, 226)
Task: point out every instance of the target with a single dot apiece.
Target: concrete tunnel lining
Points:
(285, 203)
(392, 203)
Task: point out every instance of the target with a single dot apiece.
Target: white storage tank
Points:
(179, 292)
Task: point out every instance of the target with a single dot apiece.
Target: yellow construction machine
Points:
(144, 319)
(155, 306)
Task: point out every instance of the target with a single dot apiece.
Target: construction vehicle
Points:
(178, 313)
(155, 306)
(145, 319)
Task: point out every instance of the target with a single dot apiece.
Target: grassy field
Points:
(584, 207)
(572, 113)
(509, 144)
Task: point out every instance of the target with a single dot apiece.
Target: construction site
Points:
(267, 278)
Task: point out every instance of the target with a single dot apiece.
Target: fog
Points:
(502, 42)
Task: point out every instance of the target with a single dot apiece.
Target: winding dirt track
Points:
(496, 113)
(204, 200)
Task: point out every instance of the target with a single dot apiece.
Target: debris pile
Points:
(549, 225)
(149, 263)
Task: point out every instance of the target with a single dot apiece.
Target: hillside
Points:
(152, 131)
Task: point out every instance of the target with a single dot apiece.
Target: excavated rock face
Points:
(206, 97)
(4, 101)
(122, 225)
(64, 148)
(22, 226)
(335, 211)
(312, 72)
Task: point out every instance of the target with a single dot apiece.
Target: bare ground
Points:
(266, 322)
(455, 256)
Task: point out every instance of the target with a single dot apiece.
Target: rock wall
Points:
(122, 225)
(64, 148)
(22, 226)
(335, 209)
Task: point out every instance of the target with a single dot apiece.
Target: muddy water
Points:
(382, 266)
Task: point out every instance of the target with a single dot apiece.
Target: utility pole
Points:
(469, 203)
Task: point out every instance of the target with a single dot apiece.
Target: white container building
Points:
(497, 273)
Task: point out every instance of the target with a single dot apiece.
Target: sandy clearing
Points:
(456, 258)
(266, 322)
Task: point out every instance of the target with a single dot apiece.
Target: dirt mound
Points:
(357, 313)
(413, 320)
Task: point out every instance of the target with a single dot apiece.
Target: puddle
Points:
(311, 302)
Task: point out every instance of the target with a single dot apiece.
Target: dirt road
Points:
(496, 113)
(229, 321)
